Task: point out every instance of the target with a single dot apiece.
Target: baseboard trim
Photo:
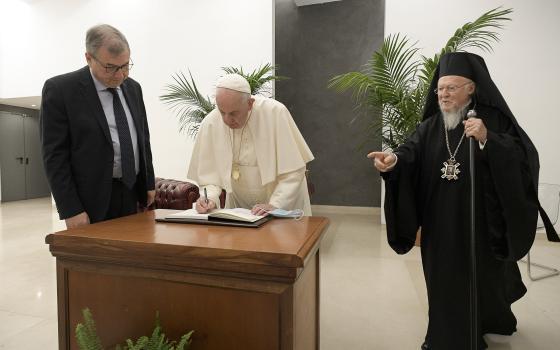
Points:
(339, 209)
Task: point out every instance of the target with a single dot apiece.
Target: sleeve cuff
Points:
(213, 192)
(394, 163)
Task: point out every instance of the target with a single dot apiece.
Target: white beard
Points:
(452, 119)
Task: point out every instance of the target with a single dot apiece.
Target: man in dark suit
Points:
(94, 134)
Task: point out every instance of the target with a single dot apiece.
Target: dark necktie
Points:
(127, 152)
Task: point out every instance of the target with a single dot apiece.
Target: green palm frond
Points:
(387, 82)
(393, 68)
(191, 107)
(479, 34)
(185, 99)
(393, 85)
(257, 78)
(357, 81)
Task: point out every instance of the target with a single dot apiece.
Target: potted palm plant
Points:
(191, 106)
(394, 83)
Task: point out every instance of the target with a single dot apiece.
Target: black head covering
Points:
(473, 67)
(461, 63)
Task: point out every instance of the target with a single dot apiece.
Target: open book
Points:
(236, 214)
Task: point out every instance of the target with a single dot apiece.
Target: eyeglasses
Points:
(450, 88)
(112, 69)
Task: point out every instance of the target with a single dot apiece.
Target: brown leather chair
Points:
(175, 194)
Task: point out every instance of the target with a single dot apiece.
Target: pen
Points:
(206, 195)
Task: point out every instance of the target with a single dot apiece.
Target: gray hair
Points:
(245, 96)
(108, 36)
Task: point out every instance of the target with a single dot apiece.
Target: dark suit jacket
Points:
(77, 147)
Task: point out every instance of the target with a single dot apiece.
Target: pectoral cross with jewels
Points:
(450, 170)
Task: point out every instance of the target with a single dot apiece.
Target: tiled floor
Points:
(371, 298)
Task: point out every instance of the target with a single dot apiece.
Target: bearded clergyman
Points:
(427, 187)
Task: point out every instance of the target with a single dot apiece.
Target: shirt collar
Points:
(99, 86)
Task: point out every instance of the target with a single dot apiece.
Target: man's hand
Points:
(262, 209)
(383, 161)
(81, 219)
(475, 127)
(151, 198)
(204, 205)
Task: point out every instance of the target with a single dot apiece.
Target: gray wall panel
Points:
(20, 110)
(312, 44)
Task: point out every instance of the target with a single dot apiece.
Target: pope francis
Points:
(250, 147)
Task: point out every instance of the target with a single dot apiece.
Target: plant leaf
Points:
(391, 88)
(187, 102)
(258, 78)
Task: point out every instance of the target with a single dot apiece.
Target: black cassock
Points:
(506, 217)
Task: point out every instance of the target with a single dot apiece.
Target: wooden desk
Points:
(238, 288)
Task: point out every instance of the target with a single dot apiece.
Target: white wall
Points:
(524, 64)
(45, 38)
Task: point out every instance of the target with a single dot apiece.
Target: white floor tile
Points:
(12, 324)
(371, 298)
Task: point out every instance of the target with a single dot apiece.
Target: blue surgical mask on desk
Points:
(281, 213)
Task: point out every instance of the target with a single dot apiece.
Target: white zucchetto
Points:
(234, 82)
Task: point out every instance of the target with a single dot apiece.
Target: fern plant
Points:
(394, 82)
(184, 98)
(86, 333)
(157, 341)
(87, 338)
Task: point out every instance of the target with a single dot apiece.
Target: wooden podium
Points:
(237, 288)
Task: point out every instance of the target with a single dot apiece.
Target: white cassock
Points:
(264, 163)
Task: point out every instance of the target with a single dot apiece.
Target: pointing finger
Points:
(376, 155)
